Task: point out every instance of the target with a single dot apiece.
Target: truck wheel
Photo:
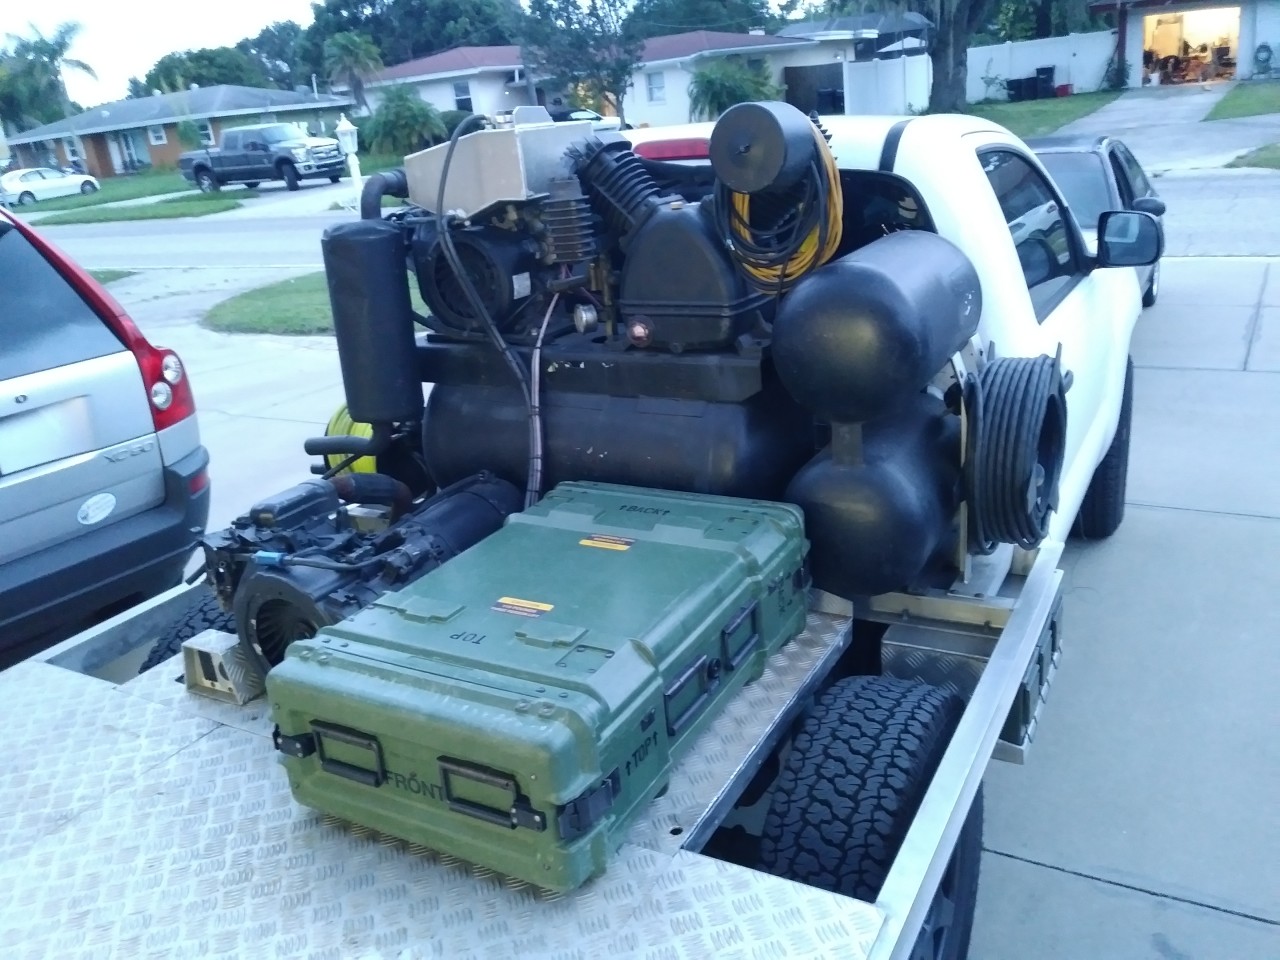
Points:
(857, 771)
(335, 177)
(252, 185)
(206, 182)
(1153, 288)
(202, 614)
(290, 174)
(1103, 506)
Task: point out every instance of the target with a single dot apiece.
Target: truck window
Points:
(231, 140)
(1040, 234)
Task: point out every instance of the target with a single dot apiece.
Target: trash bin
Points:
(1044, 82)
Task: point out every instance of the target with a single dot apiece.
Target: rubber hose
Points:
(1016, 445)
(388, 183)
(374, 488)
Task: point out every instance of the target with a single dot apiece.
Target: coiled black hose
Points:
(1014, 450)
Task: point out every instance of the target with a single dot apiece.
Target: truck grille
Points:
(325, 154)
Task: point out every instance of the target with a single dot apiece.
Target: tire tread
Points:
(204, 613)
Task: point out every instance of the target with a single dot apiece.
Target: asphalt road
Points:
(261, 243)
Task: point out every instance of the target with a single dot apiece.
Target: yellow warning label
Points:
(522, 608)
(606, 542)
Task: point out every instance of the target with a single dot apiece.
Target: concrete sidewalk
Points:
(1143, 824)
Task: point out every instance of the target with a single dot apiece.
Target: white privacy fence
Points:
(1079, 59)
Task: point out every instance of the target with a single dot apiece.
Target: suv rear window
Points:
(43, 322)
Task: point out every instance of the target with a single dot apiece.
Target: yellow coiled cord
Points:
(818, 244)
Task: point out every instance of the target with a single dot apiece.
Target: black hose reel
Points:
(1014, 450)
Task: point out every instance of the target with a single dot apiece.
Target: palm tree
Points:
(350, 57)
(43, 61)
(719, 85)
(404, 122)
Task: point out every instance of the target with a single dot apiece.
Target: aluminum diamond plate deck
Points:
(141, 821)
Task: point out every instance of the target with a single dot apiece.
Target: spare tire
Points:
(203, 613)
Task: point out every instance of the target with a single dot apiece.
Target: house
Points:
(659, 92)
(863, 63)
(135, 134)
(485, 80)
(870, 35)
(1206, 39)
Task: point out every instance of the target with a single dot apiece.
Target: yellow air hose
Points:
(818, 245)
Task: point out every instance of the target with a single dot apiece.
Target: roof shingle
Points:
(677, 46)
(457, 60)
(202, 103)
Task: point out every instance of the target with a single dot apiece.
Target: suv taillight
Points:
(168, 389)
(163, 375)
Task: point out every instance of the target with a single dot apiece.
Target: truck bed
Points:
(142, 820)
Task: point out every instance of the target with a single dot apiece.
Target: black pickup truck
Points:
(269, 151)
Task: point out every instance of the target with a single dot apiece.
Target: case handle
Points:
(351, 738)
(519, 814)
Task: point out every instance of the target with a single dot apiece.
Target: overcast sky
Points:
(123, 40)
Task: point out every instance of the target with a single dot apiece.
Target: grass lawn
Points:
(1268, 157)
(297, 307)
(121, 188)
(197, 205)
(110, 276)
(377, 162)
(1249, 99)
(1036, 118)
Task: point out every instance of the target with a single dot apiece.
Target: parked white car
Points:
(31, 184)
(598, 121)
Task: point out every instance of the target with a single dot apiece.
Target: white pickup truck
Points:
(143, 818)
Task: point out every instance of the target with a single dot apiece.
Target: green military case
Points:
(518, 706)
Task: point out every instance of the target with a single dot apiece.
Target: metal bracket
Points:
(214, 666)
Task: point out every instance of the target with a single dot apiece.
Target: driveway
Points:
(1166, 129)
(1143, 824)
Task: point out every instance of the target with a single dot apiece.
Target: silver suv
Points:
(104, 483)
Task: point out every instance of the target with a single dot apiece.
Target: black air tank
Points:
(856, 337)
(749, 449)
(875, 521)
(365, 265)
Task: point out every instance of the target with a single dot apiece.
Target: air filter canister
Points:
(762, 146)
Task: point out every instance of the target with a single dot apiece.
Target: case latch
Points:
(579, 816)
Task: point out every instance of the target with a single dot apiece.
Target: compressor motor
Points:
(303, 560)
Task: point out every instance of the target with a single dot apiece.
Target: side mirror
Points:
(1129, 238)
(1152, 205)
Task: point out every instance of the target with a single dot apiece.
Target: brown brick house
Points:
(142, 133)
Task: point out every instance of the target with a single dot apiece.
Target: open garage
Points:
(1165, 42)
